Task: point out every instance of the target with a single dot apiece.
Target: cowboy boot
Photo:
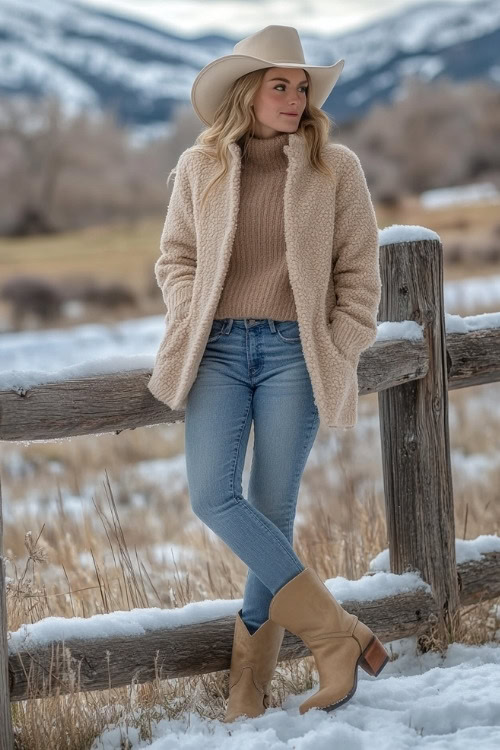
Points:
(338, 641)
(253, 661)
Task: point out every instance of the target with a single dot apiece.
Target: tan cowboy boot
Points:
(338, 641)
(253, 661)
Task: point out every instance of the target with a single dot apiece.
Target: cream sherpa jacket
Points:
(332, 254)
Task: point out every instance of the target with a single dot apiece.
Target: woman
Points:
(269, 272)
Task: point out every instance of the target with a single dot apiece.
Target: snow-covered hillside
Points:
(93, 59)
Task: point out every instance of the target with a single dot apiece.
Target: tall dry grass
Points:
(109, 557)
(98, 523)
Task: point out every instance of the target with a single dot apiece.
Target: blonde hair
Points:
(235, 120)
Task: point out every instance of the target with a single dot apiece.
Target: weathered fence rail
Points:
(206, 647)
(412, 379)
(121, 401)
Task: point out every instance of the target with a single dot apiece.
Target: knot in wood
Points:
(410, 443)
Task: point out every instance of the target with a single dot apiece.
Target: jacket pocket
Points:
(351, 359)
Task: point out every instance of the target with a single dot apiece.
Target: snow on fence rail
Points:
(46, 406)
(420, 353)
(145, 644)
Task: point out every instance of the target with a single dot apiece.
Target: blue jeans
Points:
(251, 369)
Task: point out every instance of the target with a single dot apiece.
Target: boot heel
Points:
(374, 657)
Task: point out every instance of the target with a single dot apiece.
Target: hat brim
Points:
(214, 79)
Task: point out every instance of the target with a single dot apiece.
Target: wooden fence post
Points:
(6, 732)
(414, 429)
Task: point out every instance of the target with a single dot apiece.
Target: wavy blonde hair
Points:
(235, 120)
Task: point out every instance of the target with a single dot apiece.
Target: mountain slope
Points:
(93, 59)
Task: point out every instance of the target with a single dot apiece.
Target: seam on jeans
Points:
(253, 375)
(253, 511)
(238, 446)
(291, 519)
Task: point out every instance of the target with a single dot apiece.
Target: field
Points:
(103, 523)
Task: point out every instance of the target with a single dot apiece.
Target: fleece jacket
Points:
(332, 256)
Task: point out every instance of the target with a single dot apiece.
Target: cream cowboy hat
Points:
(273, 46)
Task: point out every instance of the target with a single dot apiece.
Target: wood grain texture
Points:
(116, 402)
(206, 647)
(414, 428)
(187, 650)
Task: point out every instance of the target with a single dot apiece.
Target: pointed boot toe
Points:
(338, 640)
(253, 662)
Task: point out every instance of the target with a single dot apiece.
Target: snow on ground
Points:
(479, 192)
(469, 471)
(31, 358)
(417, 702)
(28, 358)
(431, 700)
(466, 550)
(469, 295)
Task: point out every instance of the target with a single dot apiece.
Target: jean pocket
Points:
(288, 331)
(215, 331)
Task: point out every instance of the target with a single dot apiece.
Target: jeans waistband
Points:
(249, 323)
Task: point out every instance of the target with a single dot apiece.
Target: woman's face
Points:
(282, 90)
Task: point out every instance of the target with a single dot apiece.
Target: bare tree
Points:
(59, 173)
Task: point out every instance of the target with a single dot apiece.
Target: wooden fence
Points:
(412, 378)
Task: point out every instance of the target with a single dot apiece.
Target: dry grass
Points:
(84, 532)
(104, 561)
(119, 250)
(128, 251)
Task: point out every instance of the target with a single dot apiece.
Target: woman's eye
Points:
(283, 85)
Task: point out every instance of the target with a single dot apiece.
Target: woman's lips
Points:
(290, 114)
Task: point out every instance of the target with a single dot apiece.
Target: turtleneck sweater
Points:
(257, 284)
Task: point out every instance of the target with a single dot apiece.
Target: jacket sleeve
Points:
(356, 273)
(176, 266)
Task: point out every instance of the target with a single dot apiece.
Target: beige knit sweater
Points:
(257, 284)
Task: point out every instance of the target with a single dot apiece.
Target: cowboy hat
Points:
(273, 46)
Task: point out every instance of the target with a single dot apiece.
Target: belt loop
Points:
(271, 325)
(228, 324)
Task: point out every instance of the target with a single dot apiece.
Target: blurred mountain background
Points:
(93, 60)
(95, 110)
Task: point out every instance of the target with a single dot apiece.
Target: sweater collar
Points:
(295, 149)
(266, 153)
